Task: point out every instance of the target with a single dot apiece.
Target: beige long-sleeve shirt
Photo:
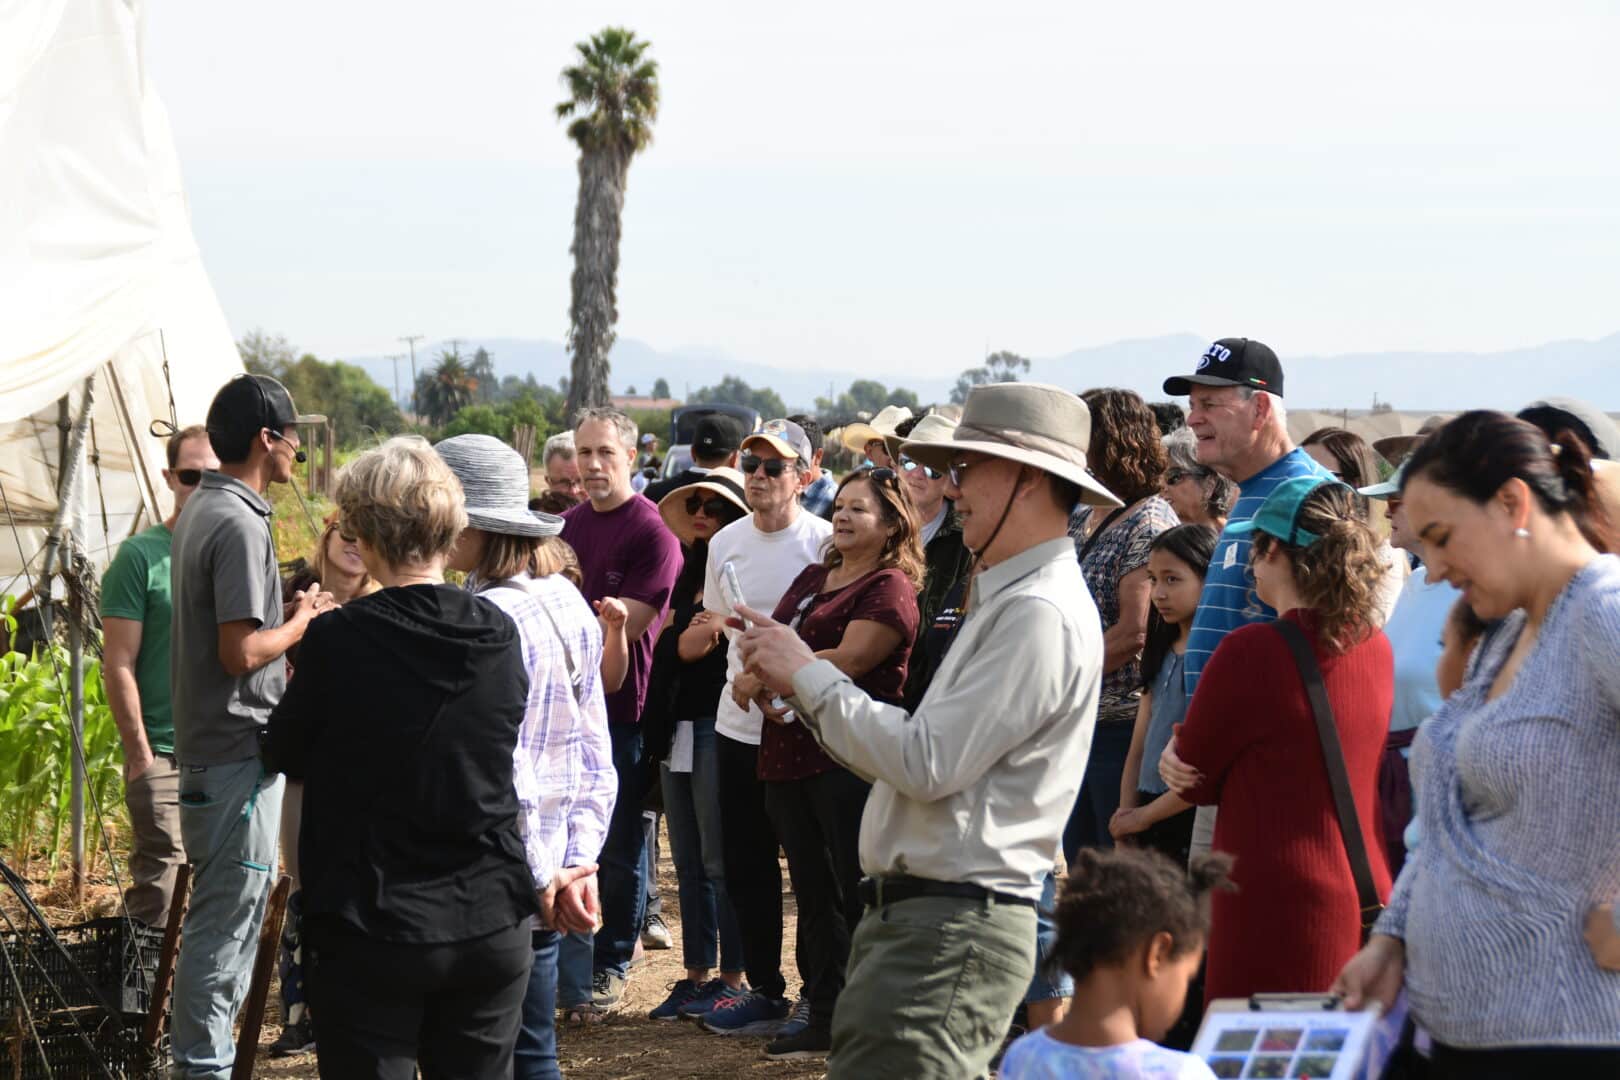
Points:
(977, 784)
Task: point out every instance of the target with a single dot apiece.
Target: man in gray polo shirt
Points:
(228, 637)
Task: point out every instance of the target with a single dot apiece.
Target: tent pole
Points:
(76, 692)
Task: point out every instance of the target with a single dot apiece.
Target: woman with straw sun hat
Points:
(678, 743)
(868, 438)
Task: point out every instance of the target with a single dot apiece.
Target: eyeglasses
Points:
(912, 466)
(773, 468)
(958, 471)
(714, 506)
(188, 477)
(568, 483)
(1176, 475)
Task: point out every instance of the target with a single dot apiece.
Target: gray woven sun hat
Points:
(495, 481)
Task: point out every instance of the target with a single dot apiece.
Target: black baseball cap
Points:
(249, 403)
(1232, 362)
(716, 435)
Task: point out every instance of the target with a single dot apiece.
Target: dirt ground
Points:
(627, 1044)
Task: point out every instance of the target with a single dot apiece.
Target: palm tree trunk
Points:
(593, 310)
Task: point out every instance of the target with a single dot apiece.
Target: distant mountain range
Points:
(1410, 381)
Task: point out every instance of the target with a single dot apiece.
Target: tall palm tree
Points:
(613, 100)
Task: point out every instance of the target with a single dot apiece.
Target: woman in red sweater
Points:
(1250, 746)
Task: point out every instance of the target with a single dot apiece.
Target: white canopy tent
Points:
(99, 277)
(103, 300)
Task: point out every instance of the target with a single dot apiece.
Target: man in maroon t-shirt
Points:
(625, 551)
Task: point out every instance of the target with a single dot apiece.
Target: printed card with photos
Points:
(1308, 1044)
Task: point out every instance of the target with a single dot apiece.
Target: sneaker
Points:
(680, 993)
(797, 1020)
(655, 935)
(296, 1038)
(607, 989)
(810, 1042)
(709, 995)
(747, 1014)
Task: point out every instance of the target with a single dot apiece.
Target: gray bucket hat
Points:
(496, 484)
(1030, 423)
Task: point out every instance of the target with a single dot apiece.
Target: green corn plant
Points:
(36, 750)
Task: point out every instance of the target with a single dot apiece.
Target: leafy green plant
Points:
(36, 747)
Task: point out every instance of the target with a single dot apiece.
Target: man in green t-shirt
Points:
(135, 616)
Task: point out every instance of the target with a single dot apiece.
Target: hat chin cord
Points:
(973, 567)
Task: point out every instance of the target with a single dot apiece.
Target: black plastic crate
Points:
(67, 1057)
(120, 965)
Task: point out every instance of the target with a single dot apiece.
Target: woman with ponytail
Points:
(1502, 925)
(1250, 745)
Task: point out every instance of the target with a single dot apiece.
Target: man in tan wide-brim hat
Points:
(868, 438)
(971, 790)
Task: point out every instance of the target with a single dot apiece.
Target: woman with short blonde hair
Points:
(402, 724)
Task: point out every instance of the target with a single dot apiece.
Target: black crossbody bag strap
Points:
(1355, 844)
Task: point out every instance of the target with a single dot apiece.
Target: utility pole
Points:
(412, 339)
(396, 358)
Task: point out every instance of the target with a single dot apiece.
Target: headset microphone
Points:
(300, 457)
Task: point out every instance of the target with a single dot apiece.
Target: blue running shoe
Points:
(679, 994)
(708, 996)
(750, 1014)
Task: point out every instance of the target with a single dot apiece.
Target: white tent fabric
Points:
(99, 273)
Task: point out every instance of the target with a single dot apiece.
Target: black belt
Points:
(875, 892)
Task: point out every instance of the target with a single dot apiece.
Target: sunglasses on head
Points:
(714, 505)
(881, 474)
(912, 466)
(188, 477)
(773, 468)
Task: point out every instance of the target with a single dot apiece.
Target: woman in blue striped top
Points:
(1518, 774)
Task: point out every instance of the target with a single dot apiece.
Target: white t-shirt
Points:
(1038, 1056)
(766, 564)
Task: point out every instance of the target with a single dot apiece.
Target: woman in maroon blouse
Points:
(858, 608)
(1250, 745)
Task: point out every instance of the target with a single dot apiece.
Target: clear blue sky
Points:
(900, 185)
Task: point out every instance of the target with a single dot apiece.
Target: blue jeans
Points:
(692, 813)
(535, 1057)
(230, 820)
(1050, 982)
(623, 869)
(1099, 792)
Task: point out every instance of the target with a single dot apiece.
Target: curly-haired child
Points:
(1131, 929)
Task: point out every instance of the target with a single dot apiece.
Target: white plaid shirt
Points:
(563, 763)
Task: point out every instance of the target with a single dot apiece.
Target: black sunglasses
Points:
(773, 468)
(882, 474)
(912, 466)
(188, 477)
(714, 506)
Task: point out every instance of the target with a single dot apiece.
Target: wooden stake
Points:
(247, 1045)
(157, 1010)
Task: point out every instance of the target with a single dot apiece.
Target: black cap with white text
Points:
(1232, 362)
